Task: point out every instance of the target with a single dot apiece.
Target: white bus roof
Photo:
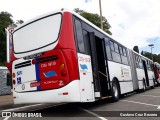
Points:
(66, 10)
(142, 56)
(80, 17)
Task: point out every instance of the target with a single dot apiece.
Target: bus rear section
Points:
(45, 65)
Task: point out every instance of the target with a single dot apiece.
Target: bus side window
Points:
(112, 45)
(79, 36)
(86, 42)
(148, 65)
(151, 66)
(140, 63)
(136, 59)
(124, 58)
(120, 50)
(116, 48)
(115, 53)
(108, 51)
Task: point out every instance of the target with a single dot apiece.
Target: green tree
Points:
(95, 19)
(156, 58)
(142, 52)
(18, 22)
(5, 21)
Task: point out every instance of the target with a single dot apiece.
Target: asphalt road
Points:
(137, 106)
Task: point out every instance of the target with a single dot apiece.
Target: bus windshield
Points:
(37, 34)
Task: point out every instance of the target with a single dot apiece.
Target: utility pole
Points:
(100, 8)
(152, 46)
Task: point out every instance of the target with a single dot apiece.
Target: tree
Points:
(95, 19)
(156, 58)
(142, 53)
(18, 22)
(5, 21)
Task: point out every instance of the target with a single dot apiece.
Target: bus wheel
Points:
(115, 91)
(152, 87)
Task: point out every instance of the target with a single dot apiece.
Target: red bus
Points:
(157, 72)
(62, 57)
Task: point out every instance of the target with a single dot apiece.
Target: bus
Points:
(142, 72)
(62, 57)
(157, 72)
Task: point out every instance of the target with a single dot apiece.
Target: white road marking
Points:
(13, 109)
(150, 95)
(6, 118)
(47, 106)
(158, 106)
(94, 114)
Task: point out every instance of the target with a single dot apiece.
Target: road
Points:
(127, 108)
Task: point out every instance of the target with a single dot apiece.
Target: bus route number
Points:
(84, 59)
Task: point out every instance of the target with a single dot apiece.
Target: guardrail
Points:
(4, 89)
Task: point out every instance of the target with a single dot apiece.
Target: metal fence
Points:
(4, 89)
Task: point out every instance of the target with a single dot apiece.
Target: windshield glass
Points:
(37, 34)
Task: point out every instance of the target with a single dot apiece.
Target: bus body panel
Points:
(69, 93)
(157, 72)
(141, 76)
(151, 78)
(145, 74)
(86, 78)
(123, 74)
(50, 70)
(41, 73)
(23, 75)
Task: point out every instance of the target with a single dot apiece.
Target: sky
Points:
(133, 22)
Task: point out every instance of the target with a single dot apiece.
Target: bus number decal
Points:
(84, 59)
(48, 64)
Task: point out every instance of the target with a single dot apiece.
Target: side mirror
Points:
(9, 79)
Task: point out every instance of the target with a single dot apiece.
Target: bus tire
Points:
(115, 91)
(152, 87)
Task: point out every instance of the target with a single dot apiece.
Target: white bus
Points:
(144, 72)
(62, 57)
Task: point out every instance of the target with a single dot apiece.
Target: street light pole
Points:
(151, 53)
(152, 46)
(100, 8)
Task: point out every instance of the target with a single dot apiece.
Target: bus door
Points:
(99, 64)
(85, 65)
(102, 66)
(93, 54)
(146, 73)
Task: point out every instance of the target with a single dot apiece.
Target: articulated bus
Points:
(144, 71)
(62, 57)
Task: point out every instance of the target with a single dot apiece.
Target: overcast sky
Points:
(133, 22)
